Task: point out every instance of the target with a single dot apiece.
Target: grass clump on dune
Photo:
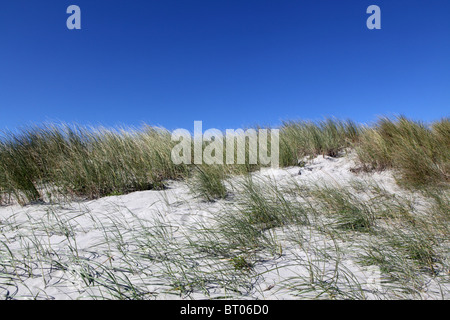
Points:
(349, 211)
(79, 161)
(208, 183)
(419, 153)
(305, 138)
(264, 204)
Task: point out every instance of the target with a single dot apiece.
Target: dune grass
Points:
(76, 161)
(327, 234)
(324, 229)
(299, 139)
(420, 153)
(49, 161)
(207, 182)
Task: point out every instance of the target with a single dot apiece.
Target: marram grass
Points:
(51, 161)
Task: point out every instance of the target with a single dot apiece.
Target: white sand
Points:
(102, 248)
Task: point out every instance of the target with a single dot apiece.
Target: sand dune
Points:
(165, 245)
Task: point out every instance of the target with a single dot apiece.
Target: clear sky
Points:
(229, 63)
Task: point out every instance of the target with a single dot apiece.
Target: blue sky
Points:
(229, 63)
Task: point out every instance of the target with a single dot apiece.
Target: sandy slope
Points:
(140, 245)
